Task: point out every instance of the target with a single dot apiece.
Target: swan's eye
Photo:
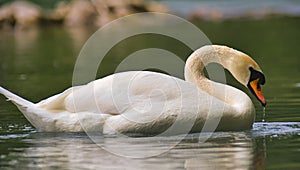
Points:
(262, 80)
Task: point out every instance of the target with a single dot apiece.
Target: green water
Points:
(39, 63)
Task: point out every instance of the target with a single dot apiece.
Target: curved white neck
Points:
(195, 64)
(194, 70)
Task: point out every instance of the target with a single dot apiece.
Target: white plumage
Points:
(148, 102)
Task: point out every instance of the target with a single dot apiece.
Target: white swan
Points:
(149, 102)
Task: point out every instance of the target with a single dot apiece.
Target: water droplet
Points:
(264, 114)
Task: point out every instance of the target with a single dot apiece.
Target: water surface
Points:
(39, 63)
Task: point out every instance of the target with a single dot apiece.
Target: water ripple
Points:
(275, 128)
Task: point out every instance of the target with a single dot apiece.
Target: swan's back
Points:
(140, 91)
(122, 91)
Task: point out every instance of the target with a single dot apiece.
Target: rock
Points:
(20, 14)
(157, 7)
(99, 12)
(59, 13)
(76, 13)
(81, 13)
(213, 14)
(113, 9)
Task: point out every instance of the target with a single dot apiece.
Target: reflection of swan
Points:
(148, 102)
(75, 151)
(226, 151)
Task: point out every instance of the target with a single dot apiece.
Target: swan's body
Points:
(148, 102)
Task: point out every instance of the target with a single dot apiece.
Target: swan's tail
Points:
(50, 116)
(17, 100)
(44, 116)
(24, 106)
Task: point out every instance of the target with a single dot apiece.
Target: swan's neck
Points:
(195, 65)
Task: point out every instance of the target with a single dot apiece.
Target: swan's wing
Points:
(118, 93)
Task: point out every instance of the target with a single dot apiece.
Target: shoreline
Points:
(81, 13)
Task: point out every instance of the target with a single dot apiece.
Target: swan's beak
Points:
(256, 89)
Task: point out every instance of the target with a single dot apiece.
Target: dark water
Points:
(39, 63)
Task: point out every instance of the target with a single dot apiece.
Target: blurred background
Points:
(41, 39)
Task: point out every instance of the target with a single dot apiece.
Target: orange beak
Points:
(257, 90)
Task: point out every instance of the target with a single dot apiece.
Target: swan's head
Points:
(248, 73)
(241, 66)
